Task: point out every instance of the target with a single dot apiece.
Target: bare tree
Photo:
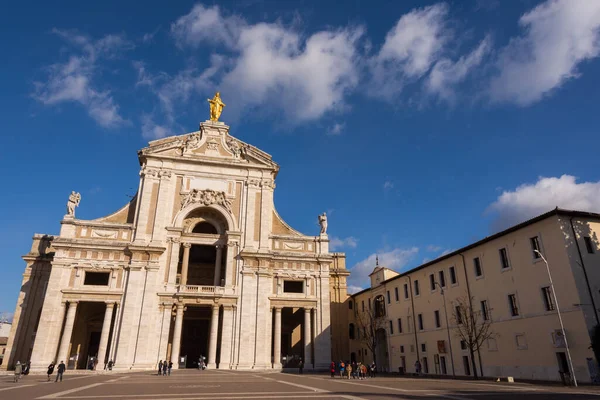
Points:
(473, 327)
(368, 323)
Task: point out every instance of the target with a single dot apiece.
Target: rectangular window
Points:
(350, 304)
(406, 291)
(424, 347)
(399, 325)
(477, 265)
(436, 313)
(453, 276)
(396, 293)
(425, 365)
(463, 345)
(401, 349)
(442, 281)
(548, 300)
(416, 287)
(458, 315)
(588, 244)
(420, 317)
(363, 305)
(96, 278)
(391, 327)
(512, 301)
(432, 281)
(484, 310)
(293, 286)
(388, 297)
(535, 247)
(504, 258)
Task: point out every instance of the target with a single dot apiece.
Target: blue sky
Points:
(419, 126)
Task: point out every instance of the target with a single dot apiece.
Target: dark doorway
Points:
(94, 344)
(563, 364)
(467, 365)
(195, 335)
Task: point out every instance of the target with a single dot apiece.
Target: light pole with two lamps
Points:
(447, 327)
(562, 327)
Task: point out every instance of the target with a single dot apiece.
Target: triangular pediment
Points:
(212, 142)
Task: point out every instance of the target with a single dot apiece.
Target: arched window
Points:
(351, 331)
(379, 306)
(350, 304)
(204, 227)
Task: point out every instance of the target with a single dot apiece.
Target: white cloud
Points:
(336, 243)
(275, 66)
(6, 317)
(558, 36)
(354, 289)
(387, 185)
(395, 259)
(336, 129)
(530, 200)
(410, 49)
(72, 81)
(446, 74)
(433, 248)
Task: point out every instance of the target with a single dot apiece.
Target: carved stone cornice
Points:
(206, 197)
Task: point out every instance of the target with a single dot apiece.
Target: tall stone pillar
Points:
(277, 339)
(105, 332)
(67, 333)
(226, 337)
(214, 333)
(218, 263)
(177, 336)
(185, 263)
(307, 339)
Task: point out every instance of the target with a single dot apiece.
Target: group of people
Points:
(21, 369)
(164, 368)
(354, 370)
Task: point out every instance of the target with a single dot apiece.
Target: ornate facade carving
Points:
(206, 197)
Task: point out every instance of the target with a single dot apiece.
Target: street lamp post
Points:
(562, 327)
(447, 328)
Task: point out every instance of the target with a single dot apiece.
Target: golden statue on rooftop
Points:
(216, 107)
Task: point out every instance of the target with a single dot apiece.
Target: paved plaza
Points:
(193, 384)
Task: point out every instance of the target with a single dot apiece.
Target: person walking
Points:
(168, 367)
(60, 371)
(160, 367)
(348, 370)
(342, 369)
(18, 371)
(332, 369)
(418, 367)
(300, 366)
(110, 365)
(50, 370)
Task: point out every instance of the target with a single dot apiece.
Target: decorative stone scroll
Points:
(206, 197)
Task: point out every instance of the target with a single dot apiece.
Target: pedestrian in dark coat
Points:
(160, 367)
(50, 370)
(60, 371)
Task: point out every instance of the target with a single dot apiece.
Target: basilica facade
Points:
(197, 264)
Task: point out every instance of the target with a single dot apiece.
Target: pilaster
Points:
(226, 337)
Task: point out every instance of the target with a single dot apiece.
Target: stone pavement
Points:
(193, 384)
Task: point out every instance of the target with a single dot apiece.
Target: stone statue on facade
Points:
(206, 197)
(323, 223)
(74, 199)
(216, 107)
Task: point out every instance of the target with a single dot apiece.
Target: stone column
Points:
(177, 336)
(185, 263)
(226, 337)
(212, 342)
(218, 263)
(307, 339)
(277, 339)
(105, 332)
(68, 332)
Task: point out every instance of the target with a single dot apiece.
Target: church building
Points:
(198, 264)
